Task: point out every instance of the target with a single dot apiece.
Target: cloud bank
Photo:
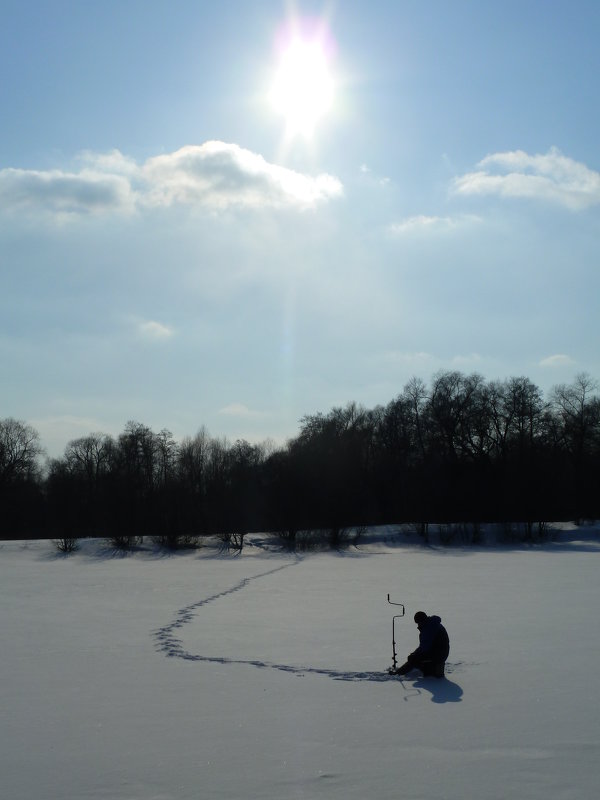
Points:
(552, 176)
(214, 175)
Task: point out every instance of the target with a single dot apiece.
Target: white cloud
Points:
(418, 223)
(422, 223)
(552, 176)
(373, 178)
(218, 175)
(112, 162)
(214, 175)
(64, 193)
(238, 410)
(155, 330)
(558, 360)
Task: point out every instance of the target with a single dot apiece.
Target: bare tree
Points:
(415, 393)
(90, 456)
(19, 451)
(578, 410)
(21, 498)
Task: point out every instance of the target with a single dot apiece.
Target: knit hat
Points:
(421, 617)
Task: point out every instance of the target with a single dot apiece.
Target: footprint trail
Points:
(169, 643)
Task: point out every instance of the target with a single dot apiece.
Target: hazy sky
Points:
(178, 248)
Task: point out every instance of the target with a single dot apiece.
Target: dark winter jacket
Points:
(433, 641)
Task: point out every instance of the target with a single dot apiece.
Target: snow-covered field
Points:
(206, 675)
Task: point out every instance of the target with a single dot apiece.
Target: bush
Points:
(67, 544)
(232, 541)
(123, 542)
(177, 541)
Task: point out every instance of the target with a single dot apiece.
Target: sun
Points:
(303, 87)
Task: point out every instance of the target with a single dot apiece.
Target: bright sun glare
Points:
(302, 91)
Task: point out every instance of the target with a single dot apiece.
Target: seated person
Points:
(434, 647)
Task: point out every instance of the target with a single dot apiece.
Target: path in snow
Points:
(169, 643)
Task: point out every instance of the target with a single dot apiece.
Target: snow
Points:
(262, 675)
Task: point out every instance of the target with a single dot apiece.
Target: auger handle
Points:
(397, 604)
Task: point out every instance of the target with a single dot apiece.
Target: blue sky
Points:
(171, 252)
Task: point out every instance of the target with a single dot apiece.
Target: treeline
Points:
(461, 449)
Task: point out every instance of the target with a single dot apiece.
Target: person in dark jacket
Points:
(434, 646)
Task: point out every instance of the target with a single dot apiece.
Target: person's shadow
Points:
(442, 690)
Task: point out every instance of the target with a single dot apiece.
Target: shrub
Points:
(177, 541)
(66, 544)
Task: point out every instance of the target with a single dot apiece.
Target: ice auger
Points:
(394, 618)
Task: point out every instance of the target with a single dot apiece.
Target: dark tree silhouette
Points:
(21, 498)
(461, 450)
